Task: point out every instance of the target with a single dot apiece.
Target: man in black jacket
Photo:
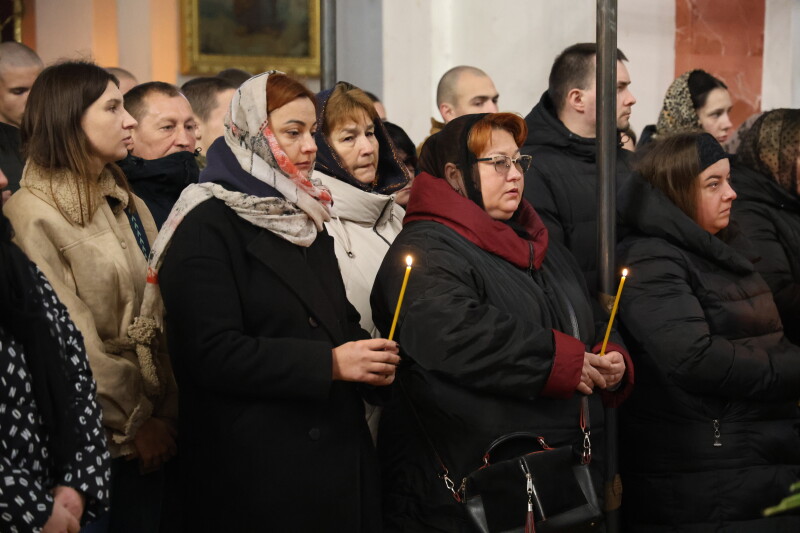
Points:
(562, 181)
(19, 67)
(161, 162)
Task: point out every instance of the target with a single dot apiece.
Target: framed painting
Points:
(253, 35)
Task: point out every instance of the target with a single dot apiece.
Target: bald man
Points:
(19, 67)
(127, 80)
(463, 90)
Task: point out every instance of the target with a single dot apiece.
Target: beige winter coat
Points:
(98, 270)
(363, 225)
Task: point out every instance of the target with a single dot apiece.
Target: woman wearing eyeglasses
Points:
(496, 331)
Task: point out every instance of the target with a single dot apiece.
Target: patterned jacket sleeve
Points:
(89, 472)
(25, 505)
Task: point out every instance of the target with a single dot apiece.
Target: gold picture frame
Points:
(221, 34)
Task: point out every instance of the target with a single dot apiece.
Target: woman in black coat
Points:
(272, 428)
(54, 464)
(496, 327)
(710, 435)
(768, 207)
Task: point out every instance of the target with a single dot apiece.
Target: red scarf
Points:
(434, 199)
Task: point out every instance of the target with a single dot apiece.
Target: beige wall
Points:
(139, 35)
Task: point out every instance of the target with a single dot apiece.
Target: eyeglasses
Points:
(502, 163)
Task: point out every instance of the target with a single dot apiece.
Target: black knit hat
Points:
(709, 151)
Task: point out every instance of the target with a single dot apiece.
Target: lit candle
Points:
(613, 311)
(400, 299)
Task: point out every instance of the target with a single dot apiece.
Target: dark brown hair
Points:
(574, 68)
(52, 134)
(672, 165)
(282, 89)
(136, 98)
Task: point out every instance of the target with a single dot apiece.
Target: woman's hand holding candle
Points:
(613, 311)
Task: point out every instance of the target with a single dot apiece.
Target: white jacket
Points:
(363, 225)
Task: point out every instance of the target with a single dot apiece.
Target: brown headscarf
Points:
(772, 145)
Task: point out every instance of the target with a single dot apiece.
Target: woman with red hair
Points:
(265, 345)
(497, 331)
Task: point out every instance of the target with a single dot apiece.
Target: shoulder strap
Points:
(138, 232)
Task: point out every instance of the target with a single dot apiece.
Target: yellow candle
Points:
(400, 299)
(613, 311)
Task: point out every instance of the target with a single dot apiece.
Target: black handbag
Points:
(548, 490)
(545, 491)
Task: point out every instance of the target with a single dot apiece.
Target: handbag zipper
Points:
(717, 441)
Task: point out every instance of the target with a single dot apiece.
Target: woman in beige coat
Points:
(77, 219)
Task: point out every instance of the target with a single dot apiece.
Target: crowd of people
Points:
(199, 317)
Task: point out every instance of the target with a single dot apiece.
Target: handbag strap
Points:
(444, 474)
(137, 228)
(138, 232)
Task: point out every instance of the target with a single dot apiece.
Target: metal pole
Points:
(328, 44)
(606, 85)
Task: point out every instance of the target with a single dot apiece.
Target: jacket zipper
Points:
(717, 441)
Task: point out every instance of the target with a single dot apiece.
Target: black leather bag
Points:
(548, 487)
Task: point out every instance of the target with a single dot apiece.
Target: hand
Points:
(61, 521)
(5, 196)
(371, 361)
(616, 369)
(590, 374)
(155, 443)
(70, 498)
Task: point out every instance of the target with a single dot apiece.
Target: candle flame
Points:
(624, 272)
(408, 260)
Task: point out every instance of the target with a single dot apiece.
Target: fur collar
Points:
(70, 195)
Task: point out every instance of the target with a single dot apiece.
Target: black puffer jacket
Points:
(710, 436)
(562, 184)
(770, 217)
(488, 347)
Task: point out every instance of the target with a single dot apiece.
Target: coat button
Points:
(314, 434)
(311, 322)
(123, 244)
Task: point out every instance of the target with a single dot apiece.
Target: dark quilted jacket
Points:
(710, 435)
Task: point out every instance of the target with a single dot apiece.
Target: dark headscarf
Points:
(450, 146)
(23, 316)
(391, 176)
(771, 146)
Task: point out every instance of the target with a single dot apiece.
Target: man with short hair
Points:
(19, 68)
(463, 90)
(210, 99)
(562, 128)
(161, 162)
